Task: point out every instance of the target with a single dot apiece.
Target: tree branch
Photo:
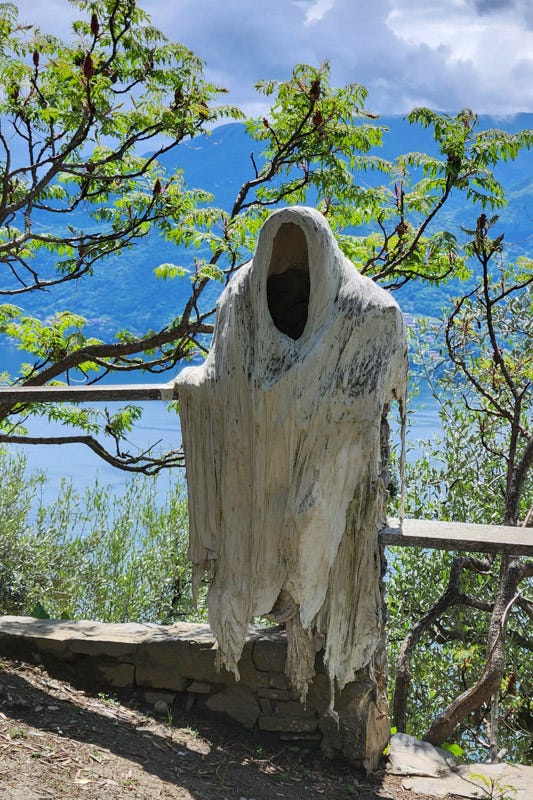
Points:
(452, 596)
(490, 679)
(125, 461)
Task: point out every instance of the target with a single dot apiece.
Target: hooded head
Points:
(295, 274)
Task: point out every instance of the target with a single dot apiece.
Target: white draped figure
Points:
(283, 429)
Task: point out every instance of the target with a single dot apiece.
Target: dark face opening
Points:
(288, 282)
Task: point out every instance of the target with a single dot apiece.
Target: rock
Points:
(269, 653)
(302, 741)
(409, 756)
(274, 694)
(279, 723)
(161, 708)
(359, 730)
(155, 698)
(433, 771)
(479, 782)
(238, 702)
(293, 708)
(121, 676)
(278, 680)
(156, 676)
(318, 696)
(195, 656)
(199, 687)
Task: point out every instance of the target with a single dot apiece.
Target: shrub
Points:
(115, 555)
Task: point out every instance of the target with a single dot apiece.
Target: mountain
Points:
(124, 293)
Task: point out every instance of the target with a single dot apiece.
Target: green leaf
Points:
(39, 612)
(453, 748)
(169, 271)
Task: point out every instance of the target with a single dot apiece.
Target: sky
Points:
(445, 54)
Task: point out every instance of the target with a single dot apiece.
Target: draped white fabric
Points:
(282, 436)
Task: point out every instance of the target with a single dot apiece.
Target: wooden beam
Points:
(465, 536)
(87, 394)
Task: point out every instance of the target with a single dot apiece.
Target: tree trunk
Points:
(511, 573)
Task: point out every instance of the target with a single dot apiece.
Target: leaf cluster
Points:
(81, 115)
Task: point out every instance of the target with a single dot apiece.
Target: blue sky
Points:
(447, 54)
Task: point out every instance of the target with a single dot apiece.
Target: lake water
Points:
(78, 462)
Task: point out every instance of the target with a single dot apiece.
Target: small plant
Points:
(108, 700)
(386, 749)
(221, 772)
(494, 789)
(18, 733)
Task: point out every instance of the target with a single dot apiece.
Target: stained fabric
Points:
(282, 430)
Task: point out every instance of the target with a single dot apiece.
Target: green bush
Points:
(110, 555)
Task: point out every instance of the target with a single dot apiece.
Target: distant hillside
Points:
(125, 293)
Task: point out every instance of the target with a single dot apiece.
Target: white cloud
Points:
(51, 16)
(485, 38)
(447, 54)
(458, 27)
(317, 10)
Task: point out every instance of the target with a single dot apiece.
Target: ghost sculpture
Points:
(285, 437)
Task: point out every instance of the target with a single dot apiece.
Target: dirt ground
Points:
(59, 742)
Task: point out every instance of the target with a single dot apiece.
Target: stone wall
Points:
(162, 661)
